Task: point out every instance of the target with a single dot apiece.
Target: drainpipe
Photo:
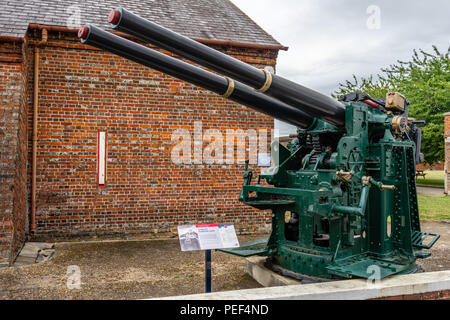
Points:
(35, 127)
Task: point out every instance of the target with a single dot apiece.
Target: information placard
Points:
(207, 236)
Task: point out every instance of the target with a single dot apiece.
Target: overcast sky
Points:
(330, 40)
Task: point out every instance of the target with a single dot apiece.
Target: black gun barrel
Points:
(226, 87)
(310, 101)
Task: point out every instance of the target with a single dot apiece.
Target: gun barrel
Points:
(226, 87)
(298, 96)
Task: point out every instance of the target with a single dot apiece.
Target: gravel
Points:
(138, 269)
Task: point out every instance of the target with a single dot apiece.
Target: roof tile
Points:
(202, 19)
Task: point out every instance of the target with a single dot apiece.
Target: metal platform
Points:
(253, 248)
(368, 267)
(418, 239)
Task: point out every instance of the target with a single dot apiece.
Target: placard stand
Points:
(207, 237)
(207, 271)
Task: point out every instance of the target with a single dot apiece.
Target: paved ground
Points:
(430, 191)
(440, 253)
(144, 269)
(123, 270)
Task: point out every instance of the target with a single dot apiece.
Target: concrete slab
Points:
(264, 276)
(23, 261)
(44, 255)
(358, 289)
(33, 252)
(430, 191)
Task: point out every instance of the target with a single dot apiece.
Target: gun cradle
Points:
(349, 204)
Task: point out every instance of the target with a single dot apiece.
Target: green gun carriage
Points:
(342, 192)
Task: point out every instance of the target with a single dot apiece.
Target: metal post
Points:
(207, 271)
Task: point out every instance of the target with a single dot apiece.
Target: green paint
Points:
(338, 227)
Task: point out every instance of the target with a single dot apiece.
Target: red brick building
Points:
(57, 95)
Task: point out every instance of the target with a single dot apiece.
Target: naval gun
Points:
(342, 192)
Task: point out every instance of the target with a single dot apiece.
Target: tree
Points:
(425, 82)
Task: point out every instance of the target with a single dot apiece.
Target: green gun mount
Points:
(342, 200)
(342, 193)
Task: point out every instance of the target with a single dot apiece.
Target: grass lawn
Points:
(434, 208)
(432, 178)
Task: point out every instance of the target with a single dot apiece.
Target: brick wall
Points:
(82, 91)
(447, 151)
(13, 218)
(438, 166)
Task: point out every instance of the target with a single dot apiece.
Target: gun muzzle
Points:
(226, 87)
(309, 101)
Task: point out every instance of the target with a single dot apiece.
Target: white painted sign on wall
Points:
(101, 158)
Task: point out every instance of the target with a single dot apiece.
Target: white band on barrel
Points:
(230, 88)
(268, 82)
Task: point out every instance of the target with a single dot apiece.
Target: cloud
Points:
(330, 40)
